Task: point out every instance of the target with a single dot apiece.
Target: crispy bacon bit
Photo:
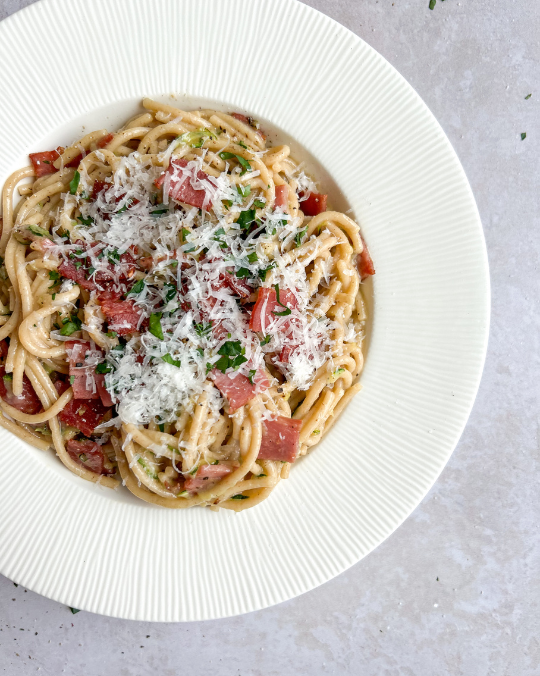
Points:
(90, 455)
(122, 315)
(282, 197)
(206, 476)
(27, 402)
(84, 414)
(180, 188)
(314, 204)
(238, 390)
(280, 439)
(267, 305)
(43, 163)
(364, 262)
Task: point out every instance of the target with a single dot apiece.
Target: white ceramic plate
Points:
(354, 114)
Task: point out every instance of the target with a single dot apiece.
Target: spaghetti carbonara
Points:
(179, 311)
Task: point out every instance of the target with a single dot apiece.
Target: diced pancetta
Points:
(180, 187)
(314, 204)
(27, 402)
(238, 390)
(267, 305)
(90, 455)
(206, 475)
(280, 439)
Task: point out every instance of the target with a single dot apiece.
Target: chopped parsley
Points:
(259, 204)
(243, 272)
(246, 218)
(70, 325)
(265, 340)
(170, 292)
(252, 257)
(137, 288)
(202, 329)
(85, 221)
(113, 256)
(252, 372)
(243, 190)
(155, 325)
(103, 368)
(232, 355)
(287, 310)
(55, 277)
(528, 97)
(300, 236)
(262, 273)
(74, 184)
(246, 166)
(523, 135)
(239, 497)
(169, 360)
(40, 232)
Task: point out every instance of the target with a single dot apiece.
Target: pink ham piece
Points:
(267, 304)
(314, 205)
(89, 455)
(282, 197)
(81, 373)
(280, 439)
(122, 316)
(206, 476)
(364, 263)
(103, 392)
(180, 188)
(27, 402)
(238, 390)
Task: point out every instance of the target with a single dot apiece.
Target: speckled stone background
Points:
(456, 589)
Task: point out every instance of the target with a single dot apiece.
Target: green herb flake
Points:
(74, 184)
(137, 288)
(222, 364)
(265, 341)
(259, 204)
(287, 310)
(70, 325)
(103, 368)
(252, 257)
(239, 497)
(432, 4)
(167, 358)
(155, 325)
(523, 135)
(246, 218)
(113, 334)
(252, 372)
(243, 190)
(74, 610)
(231, 348)
(202, 329)
(246, 166)
(243, 272)
(40, 232)
(55, 277)
(71, 380)
(300, 236)
(113, 256)
(160, 209)
(85, 221)
(262, 273)
(528, 97)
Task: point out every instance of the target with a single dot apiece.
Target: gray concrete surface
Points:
(456, 589)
